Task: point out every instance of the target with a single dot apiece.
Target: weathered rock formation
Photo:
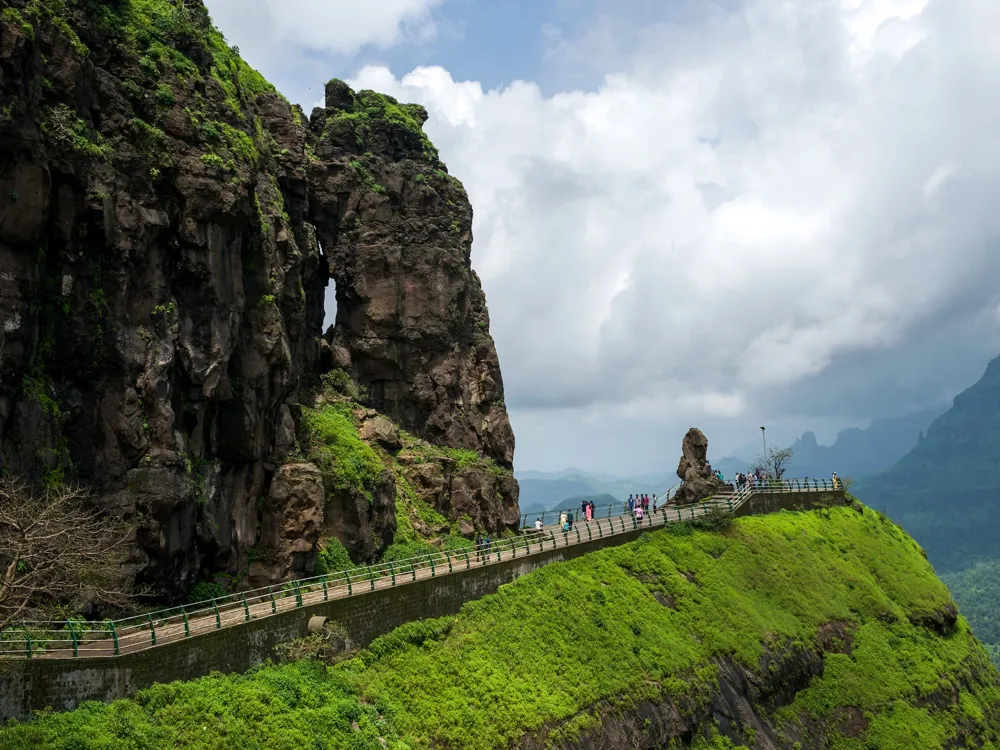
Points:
(698, 479)
(412, 325)
(168, 226)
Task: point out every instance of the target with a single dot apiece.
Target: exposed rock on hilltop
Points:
(168, 226)
(698, 481)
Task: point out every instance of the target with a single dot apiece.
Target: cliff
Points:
(795, 630)
(945, 493)
(168, 227)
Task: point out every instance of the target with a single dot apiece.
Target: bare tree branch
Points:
(57, 554)
(775, 463)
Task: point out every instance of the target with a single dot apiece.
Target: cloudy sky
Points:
(722, 214)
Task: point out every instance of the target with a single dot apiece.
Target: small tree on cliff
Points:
(57, 555)
(775, 463)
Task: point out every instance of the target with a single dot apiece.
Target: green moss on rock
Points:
(378, 123)
(332, 443)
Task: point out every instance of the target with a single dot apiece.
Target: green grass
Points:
(422, 452)
(13, 17)
(558, 642)
(213, 160)
(55, 12)
(348, 463)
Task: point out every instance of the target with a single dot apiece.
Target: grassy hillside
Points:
(946, 491)
(574, 646)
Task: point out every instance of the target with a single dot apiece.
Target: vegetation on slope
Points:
(945, 493)
(977, 591)
(575, 644)
(332, 443)
(330, 439)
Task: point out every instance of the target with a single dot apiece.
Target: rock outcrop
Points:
(396, 229)
(476, 493)
(168, 227)
(698, 479)
(292, 520)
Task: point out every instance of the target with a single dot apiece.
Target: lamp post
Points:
(764, 439)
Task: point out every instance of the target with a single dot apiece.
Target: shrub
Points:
(62, 128)
(716, 519)
(338, 381)
(329, 646)
(149, 68)
(211, 133)
(204, 591)
(213, 160)
(133, 90)
(164, 95)
(149, 138)
(332, 557)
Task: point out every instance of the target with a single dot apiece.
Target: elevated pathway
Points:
(115, 638)
(61, 665)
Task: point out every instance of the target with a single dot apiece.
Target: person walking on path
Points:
(836, 481)
(638, 514)
(569, 520)
(486, 548)
(629, 504)
(654, 502)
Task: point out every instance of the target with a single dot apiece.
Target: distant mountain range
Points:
(856, 453)
(946, 491)
(946, 494)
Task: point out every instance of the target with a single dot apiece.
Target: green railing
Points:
(77, 638)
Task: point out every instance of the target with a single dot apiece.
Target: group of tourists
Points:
(566, 520)
(742, 480)
(639, 505)
(483, 544)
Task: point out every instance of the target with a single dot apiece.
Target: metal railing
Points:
(600, 511)
(78, 638)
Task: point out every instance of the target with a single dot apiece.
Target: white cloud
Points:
(701, 231)
(339, 26)
(772, 212)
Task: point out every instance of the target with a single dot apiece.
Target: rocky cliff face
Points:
(168, 226)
